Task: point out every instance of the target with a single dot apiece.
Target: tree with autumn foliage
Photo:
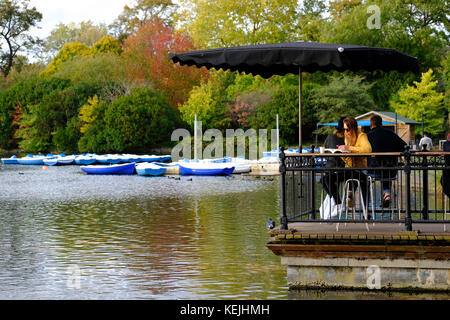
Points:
(422, 98)
(146, 55)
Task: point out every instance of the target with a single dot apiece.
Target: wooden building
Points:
(404, 127)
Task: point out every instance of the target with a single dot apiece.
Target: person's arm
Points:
(362, 145)
(400, 144)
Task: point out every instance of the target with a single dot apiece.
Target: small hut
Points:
(404, 127)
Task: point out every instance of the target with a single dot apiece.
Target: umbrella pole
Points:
(300, 109)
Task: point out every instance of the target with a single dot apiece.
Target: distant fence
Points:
(358, 194)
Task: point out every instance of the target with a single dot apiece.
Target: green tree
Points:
(53, 124)
(17, 100)
(415, 27)
(100, 69)
(312, 22)
(422, 97)
(132, 123)
(284, 98)
(345, 95)
(209, 102)
(16, 19)
(226, 23)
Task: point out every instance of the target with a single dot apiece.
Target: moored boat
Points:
(31, 160)
(59, 160)
(51, 161)
(149, 169)
(65, 160)
(242, 168)
(205, 169)
(11, 160)
(85, 160)
(123, 169)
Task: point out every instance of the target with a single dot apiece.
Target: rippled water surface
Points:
(67, 235)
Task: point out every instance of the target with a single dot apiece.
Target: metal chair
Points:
(346, 189)
(373, 178)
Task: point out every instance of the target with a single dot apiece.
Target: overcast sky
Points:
(66, 11)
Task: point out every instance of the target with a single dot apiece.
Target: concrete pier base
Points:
(368, 274)
(357, 260)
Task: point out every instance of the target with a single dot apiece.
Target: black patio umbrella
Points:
(267, 60)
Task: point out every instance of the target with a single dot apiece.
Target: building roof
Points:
(361, 123)
(387, 115)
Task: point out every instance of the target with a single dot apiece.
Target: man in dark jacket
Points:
(384, 140)
(445, 179)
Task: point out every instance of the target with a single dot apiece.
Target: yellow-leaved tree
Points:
(67, 52)
(106, 45)
(86, 114)
(419, 98)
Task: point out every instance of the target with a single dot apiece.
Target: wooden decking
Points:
(382, 241)
(359, 229)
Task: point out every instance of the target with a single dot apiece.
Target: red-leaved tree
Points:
(146, 54)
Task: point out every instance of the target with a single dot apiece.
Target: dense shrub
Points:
(133, 123)
(19, 99)
(52, 124)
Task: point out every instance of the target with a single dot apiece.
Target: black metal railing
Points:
(384, 187)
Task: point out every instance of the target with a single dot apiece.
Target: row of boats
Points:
(83, 159)
(146, 165)
(158, 169)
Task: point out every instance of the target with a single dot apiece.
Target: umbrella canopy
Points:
(296, 57)
(282, 58)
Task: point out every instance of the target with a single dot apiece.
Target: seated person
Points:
(384, 140)
(425, 141)
(445, 179)
(355, 142)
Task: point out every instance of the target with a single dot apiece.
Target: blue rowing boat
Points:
(12, 160)
(31, 160)
(149, 169)
(122, 169)
(85, 160)
(205, 169)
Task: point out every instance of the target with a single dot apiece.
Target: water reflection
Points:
(135, 238)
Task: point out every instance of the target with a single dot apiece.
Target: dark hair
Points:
(340, 126)
(352, 124)
(376, 121)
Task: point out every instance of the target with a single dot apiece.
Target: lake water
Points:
(67, 235)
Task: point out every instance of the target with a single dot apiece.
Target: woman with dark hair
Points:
(355, 142)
